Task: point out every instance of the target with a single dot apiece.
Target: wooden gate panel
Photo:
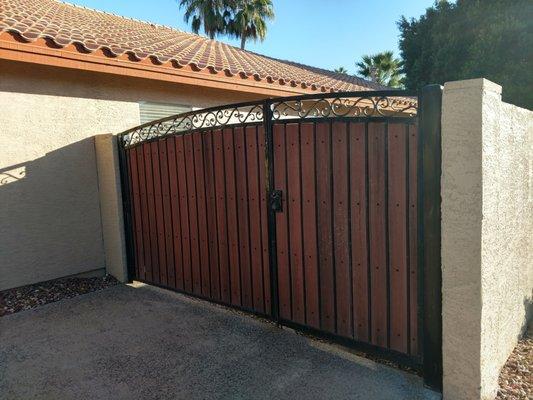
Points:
(398, 247)
(282, 230)
(378, 232)
(344, 241)
(341, 231)
(346, 229)
(309, 225)
(264, 218)
(192, 203)
(145, 270)
(254, 203)
(167, 214)
(212, 230)
(294, 215)
(231, 204)
(137, 215)
(221, 213)
(324, 227)
(154, 253)
(160, 222)
(201, 202)
(242, 217)
(175, 212)
(359, 230)
(184, 213)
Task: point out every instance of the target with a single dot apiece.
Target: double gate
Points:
(304, 210)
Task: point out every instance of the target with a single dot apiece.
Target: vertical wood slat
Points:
(221, 212)
(184, 212)
(137, 213)
(378, 242)
(341, 240)
(154, 251)
(324, 221)
(160, 220)
(203, 243)
(254, 200)
(212, 231)
(242, 217)
(146, 268)
(282, 236)
(359, 227)
(397, 213)
(167, 214)
(264, 218)
(175, 212)
(232, 224)
(309, 225)
(294, 212)
(413, 224)
(190, 165)
(132, 210)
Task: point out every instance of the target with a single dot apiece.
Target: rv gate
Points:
(321, 212)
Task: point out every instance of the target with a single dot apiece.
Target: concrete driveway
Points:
(140, 342)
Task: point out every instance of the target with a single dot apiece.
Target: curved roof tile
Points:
(94, 30)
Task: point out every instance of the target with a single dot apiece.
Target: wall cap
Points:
(479, 83)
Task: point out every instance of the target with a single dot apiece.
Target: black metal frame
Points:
(363, 106)
(429, 233)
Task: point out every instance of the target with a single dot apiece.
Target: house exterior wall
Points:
(50, 220)
(487, 234)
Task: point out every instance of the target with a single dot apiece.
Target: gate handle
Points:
(276, 201)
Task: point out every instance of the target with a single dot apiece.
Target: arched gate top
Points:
(365, 105)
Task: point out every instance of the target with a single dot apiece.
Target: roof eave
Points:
(44, 53)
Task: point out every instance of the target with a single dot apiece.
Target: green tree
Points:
(340, 70)
(211, 14)
(248, 20)
(382, 68)
(468, 39)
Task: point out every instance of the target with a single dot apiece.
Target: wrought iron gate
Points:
(302, 209)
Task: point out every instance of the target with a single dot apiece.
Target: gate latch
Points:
(276, 201)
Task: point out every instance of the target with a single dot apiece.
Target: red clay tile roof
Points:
(91, 30)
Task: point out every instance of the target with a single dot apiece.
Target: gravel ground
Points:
(516, 378)
(31, 296)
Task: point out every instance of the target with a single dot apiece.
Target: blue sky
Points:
(321, 33)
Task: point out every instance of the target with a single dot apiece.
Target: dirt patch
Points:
(31, 296)
(516, 378)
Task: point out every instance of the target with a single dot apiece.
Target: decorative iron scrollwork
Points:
(370, 104)
(194, 120)
(335, 106)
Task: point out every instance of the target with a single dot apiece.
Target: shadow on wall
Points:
(50, 217)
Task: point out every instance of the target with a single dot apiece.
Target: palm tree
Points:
(340, 70)
(212, 14)
(249, 19)
(382, 68)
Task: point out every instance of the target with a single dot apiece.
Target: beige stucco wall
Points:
(50, 220)
(487, 233)
(110, 195)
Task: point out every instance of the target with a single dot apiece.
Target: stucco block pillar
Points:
(486, 230)
(111, 205)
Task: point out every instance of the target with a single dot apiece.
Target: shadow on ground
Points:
(142, 342)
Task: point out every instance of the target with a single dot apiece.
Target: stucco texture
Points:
(109, 188)
(50, 220)
(487, 233)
